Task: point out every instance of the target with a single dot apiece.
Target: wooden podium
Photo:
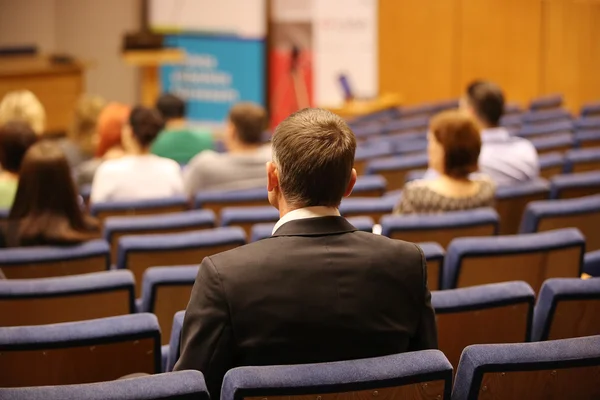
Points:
(357, 108)
(56, 85)
(149, 62)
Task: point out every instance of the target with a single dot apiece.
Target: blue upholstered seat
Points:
(441, 228)
(588, 123)
(493, 313)
(511, 121)
(583, 160)
(582, 213)
(367, 130)
(48, 261)
(116, 227)
(371, 207)
(589, 109)
(248, 215)
(182, 385)
(79, 352)
(66, 298)
(548, 128)
(591, 263)
(434, 255)
(409, 370)
(262, 231)
(567, 307)
(229, 198)
(140, 252)
(587, 138)
(369, 185)
(373, 149)
(406, 124)
(511, 201)
(551, 164)
(545, 102)
(532, 258)
(175, 341)
(556, 142)
(395, 169)
(557, 369)
(135, 207)
(166, 290)
(512, 108)
(575, 185)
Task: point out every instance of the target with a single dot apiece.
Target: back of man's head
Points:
(313, 150)
(249, 121)
(487, 102)
(170, 107)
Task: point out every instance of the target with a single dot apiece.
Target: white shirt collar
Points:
(498, 134)
(306, 212)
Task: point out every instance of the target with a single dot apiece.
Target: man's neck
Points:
(176, 123)
(241, 148)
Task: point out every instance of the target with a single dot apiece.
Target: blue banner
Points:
(218, 71)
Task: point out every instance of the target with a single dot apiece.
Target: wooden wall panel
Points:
(500, 41)
(416, 49)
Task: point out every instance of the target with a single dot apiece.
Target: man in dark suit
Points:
(318, 290)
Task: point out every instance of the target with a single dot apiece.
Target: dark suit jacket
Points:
(317, 291)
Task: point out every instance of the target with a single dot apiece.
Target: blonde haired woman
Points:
(24, 106)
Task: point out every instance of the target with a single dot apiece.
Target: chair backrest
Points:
(551, 164)
(373, 149)
(441, 228)
(175, 341)
(246, 217)
(494, 313)
(532, 258)
(265, 230)
(560, 142)
(569, 186)
(369, 186)
(582, 213)
(434, 255)
(374, 208)
(217, 200)
(552, 370)
(394, 169)
(583, 160)
(65, 299)
(566, 308)
(418, 375)
(587, 138)
(591, 263)
(512, 200)
(79, 352)
(406, 125)
(138, 253)
(546, 102)
(590, 109)
(165, 291)
(181, 385)
(588, 123)
(50, 261)
(560, 125)
(139, 207)
(117, 227)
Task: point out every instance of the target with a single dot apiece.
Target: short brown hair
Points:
(460, 138)
(249, 120)
(146, 123)
(487, 100)
(314, 153)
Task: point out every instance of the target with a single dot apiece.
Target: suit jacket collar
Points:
(315, 227)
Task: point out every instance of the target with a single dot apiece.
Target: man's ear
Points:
(272, 176)
(351, 183)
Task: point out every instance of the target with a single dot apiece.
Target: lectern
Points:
(149, 62)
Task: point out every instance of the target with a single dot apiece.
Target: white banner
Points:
(344, 43)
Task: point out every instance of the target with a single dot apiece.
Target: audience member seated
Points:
(46, 210)
(78, 146)
(319, 290)
(454, 146)
(24, 106)
(107, 140)
(15, 138)
(139, 175)
(243, 166)
(178, 141)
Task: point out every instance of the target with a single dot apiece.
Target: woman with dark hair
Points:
(139, 175)
(46, 209)
(15, 138)
(454, 146)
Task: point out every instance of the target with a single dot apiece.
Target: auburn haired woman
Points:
(454, 146)
(46, 208)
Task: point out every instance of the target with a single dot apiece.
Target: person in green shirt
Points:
(15, 138)
(178, 141)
